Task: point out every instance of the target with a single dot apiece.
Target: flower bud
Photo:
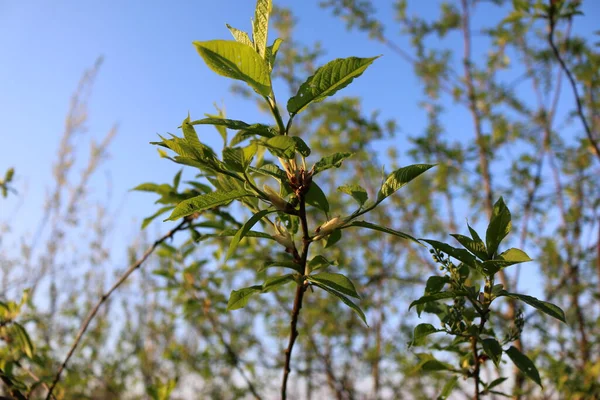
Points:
(275, 199)
(283, 237)
(329, 227)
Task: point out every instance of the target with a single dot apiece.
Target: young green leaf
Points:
(368, 225)
(435, 284)
(237, 61)
(331, 161)
(327, 80)
(274, 282)
(204, 202)
(228, 123)
(281, 146)
(301, 146)
(151, 218)
(333, 238)
(283, 263)
(239, 298)
(358, 193)
(460, 254)
(244, 229)
(524, 364)
(475, 247)
(319, 262)
(336, 282)
(399, 178)
(23, 340)
(420, 332)
(271, 52)
(544, 306)
(240, 36)
(499, 227)
(493, 349)
(316, 198)
(437, 296)
(448, 388)
(260, 27)
(345, 300)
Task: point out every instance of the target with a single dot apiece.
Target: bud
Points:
(275, 198)
(283, 237)
(329, 227)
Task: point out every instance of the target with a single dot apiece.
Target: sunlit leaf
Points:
(500, 225)
(399, 178)
(336, 282)
(237, 61)
(239, 298)
(345, 300)
(204, 202)
(327, 80)
(244, 229)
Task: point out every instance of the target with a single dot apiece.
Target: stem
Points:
(275, 111)
(299, 295)
(86, 323)
(476, 368)
(584, 122)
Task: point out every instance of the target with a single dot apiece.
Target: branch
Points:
(299, 291)
(588, 131)
(182, 225)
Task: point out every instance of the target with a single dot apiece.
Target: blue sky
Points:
(151, 78)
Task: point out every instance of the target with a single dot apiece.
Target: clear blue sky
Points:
(151, 77)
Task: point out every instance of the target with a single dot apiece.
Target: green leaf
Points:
(22, 338)
(435, 284)
(190, 135)
(346, 301)
(244, 229)
(260, 27)
(239, 298)
(319, 262)
(460, 254)
(493, 349)
(327, 80)
(204, 202)
(274, 282)
(544, 306)
(474, 246)
(316, 198)
(233, 232)
(508, 258)
(333, 238)
(240, 36)
(430, 363)
(239, 159)
(8, 176)
(331, 161)
(514, 256)
(358, 193)
(399, 178)
(524, 364)
(437, 296)
(283, 263)
(228, 123)
(271, 52)
(301, 146)
(499, 227)
(336, 282)
(281, 146)
(177, 179)
(448, 388)
(496, 382)
(368, 225)
(237, 61)
(420, 332)
(151, 218)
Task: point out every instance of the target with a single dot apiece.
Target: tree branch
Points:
(86, 323)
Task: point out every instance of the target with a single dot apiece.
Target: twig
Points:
(584, 122)
(182, 225)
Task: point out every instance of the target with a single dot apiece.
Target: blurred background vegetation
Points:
(509, 105)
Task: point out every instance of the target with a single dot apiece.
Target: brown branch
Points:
(182, 225)
(306, 240)
(563, 65)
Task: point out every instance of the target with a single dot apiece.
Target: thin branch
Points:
(584, 122)
(182, 225)
(306, 240)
